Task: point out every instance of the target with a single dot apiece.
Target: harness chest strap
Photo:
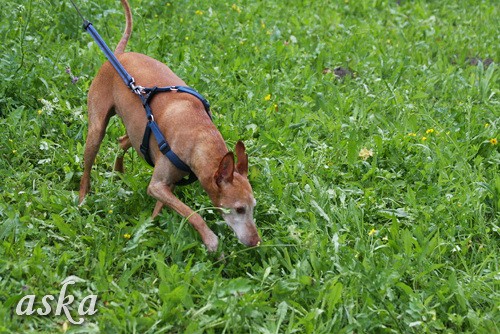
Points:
(152, 127)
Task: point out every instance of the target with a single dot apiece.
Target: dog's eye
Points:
(240, 210)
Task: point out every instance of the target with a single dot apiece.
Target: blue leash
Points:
(146, 94)
(127, 78)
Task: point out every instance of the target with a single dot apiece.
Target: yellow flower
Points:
(429, 131)
(39, 111)
(365, 153)
(127, 236)
(487, 125)
(268, 97)
(372, 232)
(199, 12)
(65, 326)
(412, 134)
(236, 8)
(110, 211)
(493, 141)
(424, 138)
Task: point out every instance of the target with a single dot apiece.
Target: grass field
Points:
(372, 129)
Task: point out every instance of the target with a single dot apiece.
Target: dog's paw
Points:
(211, 241)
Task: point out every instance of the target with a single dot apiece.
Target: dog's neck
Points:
(206, 159)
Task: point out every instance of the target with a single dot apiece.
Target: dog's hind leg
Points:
(99, 115)
(125, 144)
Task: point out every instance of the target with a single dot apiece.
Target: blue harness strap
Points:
(146, 94)
(184, 89)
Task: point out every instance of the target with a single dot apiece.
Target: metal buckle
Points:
(139, 90)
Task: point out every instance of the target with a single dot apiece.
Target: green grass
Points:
(406, 241)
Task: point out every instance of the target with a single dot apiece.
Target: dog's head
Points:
(235, 196)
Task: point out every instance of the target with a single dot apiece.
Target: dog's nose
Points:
(253, 241)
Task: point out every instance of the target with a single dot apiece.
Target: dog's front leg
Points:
(125, 144)
(159, 205)
(163, 193)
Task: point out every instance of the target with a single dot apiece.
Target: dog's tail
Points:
(120, 48)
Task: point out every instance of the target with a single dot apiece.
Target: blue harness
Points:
(152, 127)
(146, 94)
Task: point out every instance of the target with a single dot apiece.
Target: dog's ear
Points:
(226, 169)
(242, 165)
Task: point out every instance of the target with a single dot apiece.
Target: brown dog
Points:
(190, 133)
